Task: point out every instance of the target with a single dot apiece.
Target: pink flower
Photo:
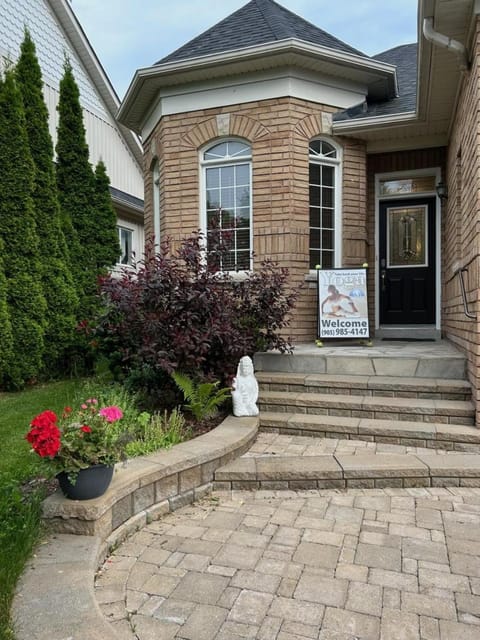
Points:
(111, 414)
(83, 406)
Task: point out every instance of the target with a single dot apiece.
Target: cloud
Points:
(128, 34)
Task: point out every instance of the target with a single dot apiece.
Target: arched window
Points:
(156, 202)
(227, 202)
(324, 186)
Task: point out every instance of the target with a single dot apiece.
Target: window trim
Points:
(337, 163)
(230, 161)
(122, 227)
(155, 171)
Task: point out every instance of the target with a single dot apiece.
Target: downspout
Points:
(440, 40)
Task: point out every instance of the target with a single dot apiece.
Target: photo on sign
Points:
(343, 304)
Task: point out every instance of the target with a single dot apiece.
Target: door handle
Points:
(383, 277)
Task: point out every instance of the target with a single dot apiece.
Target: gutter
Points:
(445, 42)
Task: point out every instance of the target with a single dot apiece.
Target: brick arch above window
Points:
(314, 125)
(224, 125)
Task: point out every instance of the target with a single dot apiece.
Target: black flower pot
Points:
(91, 482)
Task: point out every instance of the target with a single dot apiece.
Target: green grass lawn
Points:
(20, 502)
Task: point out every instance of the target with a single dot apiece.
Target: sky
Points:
(129, 34)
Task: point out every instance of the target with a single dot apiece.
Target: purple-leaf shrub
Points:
(175, 311)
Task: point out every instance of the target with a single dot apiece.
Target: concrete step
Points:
(385, 386)
(417, 410)
(453, 437)
(350, 471)
(412, 360)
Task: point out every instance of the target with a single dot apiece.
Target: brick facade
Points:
(278, 131)
(461, 240)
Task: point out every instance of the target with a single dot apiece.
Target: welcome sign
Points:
(342, 302)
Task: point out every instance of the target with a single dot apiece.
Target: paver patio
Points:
(390, 564)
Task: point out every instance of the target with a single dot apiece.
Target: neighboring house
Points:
(315, 153)
(57, 34)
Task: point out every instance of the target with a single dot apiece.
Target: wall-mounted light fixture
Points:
(442, 191)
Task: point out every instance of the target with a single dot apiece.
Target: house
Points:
(312, 152)
(57, 34)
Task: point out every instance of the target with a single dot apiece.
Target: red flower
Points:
(86, 429)
(45, 440)
(44, 419)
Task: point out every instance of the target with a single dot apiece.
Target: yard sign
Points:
(342, 303)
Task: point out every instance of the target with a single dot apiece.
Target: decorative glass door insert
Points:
(407, 237)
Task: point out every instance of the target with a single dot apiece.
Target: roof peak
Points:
(255, 23)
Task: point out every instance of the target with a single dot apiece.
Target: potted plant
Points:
(83, 445)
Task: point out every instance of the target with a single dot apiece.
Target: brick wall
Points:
(279, 131)
(461, 239)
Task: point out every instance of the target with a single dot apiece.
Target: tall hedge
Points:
(6, 336)
(106, 238)
(25, 300)
(76, 188)
(58, 285)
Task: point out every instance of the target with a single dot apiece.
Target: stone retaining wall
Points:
(147, 487)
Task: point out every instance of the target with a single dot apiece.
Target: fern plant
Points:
(202, 399)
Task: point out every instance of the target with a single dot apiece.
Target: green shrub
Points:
(157, 432)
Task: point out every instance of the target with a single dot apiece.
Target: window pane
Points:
(327, 259)
(125, 237)
(213, 178)
(315, 146)
(243, 196)
(327, 218)
(227, 176)
(418, 184)
(314, 173)
(314, 258)
(327, 240)
(328, 150)
(213, 198)
(238, 149)
(314, 217)
(328, 176)
(243, 174)
(243, 217)
(315, 239)
(216, 152)
(243, 239)
(227, 219)
(327, 197)
(243, 260)
(314, 196)
(227, 198)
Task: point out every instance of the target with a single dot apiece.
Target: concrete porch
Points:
(439, 359)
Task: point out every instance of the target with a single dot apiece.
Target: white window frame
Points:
(225, 162)
(336, 163)
(131, 231)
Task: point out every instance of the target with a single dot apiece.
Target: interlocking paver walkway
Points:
(391, 564)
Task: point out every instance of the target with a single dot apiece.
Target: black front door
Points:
(407, 261)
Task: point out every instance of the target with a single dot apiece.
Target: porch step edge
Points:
(350, 471)
(418, 434)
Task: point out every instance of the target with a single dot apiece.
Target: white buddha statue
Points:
(245, 389)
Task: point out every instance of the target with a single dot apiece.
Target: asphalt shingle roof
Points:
(258, 22)
(404, 57)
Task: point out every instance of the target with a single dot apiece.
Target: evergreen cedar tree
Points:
(79, 192)
(22, 267)
(108, 248)
(6, 336)
(57, 281)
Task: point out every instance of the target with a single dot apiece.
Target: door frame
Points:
(398, 175)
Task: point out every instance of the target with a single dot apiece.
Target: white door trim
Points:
(397, 175)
